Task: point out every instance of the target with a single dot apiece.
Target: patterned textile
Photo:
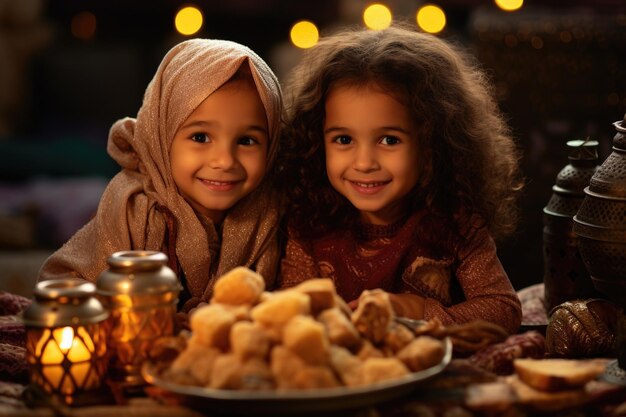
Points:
(583, 328)
(13, 367)
(533, 305)
(499, 358)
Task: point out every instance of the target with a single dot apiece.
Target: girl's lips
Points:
(220, 186)
(368, 188)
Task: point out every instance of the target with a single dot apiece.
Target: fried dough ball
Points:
(241, 312)
(196, 360)
(307, 338)
(315, 377)
(265, 295)
(239, 286)
(284, 364)
(210, 326)
(381, 369)
(398, 337)
(374, 315)
(368, 350)
(347, 366)
(321, 291)
(280, 308)
(248, 339)
(339, 328)
(422, 353)
(256, 375)
(226, 372)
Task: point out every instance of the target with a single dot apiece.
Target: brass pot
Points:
(140, 292)
(601, 222)
(565, 276)
(601, 227)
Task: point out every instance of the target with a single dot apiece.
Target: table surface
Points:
(443, 395)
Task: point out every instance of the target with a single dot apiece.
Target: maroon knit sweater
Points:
(460, 278)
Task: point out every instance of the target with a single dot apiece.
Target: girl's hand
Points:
(408, 305)
(404, 305)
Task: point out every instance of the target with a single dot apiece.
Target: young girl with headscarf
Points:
(194, 173)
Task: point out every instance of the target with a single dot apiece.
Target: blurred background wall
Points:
(70, 68)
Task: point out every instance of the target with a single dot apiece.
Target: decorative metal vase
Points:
(66, 339)
(140, 292)
(565, 276)
(601, 226)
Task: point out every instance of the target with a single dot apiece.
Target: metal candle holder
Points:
(66, 339)
(140, 292)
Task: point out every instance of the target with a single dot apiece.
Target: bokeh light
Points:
(188, 20)
(377, 17)
(304, 34)
(509, 5)
(84, 25)
(431, 18)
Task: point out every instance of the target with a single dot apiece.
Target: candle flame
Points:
(67, 337)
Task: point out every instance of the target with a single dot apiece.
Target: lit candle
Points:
(65, 346)
(66, 338)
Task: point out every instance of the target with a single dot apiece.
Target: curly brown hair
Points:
(470, 164)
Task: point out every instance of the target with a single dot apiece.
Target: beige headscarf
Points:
(127, 216)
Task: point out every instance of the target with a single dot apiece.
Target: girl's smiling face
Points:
(371, 146)
(219, 154)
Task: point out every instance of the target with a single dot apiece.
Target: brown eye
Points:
(200, 137)
(343, 140)
(248, 141)
(389, 140)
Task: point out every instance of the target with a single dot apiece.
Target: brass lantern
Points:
(66, 338)
(140, 291)
(565, 276)
(600, 224)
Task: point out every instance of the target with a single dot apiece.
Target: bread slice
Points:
(544, 401)
(490, 397)
(558, 374)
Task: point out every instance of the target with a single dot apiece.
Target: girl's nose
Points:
(222, 156)
(365, 159)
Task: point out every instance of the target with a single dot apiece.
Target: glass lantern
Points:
(140, 291)
(66, 339)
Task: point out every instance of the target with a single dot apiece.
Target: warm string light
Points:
(431, 18)
(509, 5)
(304, 34)
(188, 20)
(377, 16)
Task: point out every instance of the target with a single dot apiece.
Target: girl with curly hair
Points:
(400, 172)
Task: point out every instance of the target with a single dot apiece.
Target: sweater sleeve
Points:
(488, 292)
(297, 264)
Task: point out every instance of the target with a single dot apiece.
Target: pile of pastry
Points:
(304, 337)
